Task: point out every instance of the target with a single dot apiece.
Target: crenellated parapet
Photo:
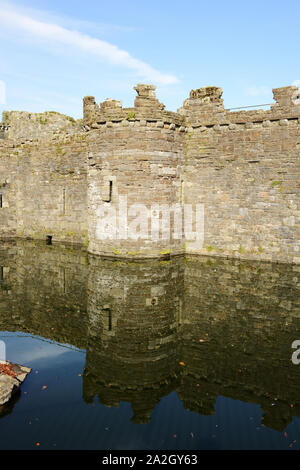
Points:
(146, 108)
(205, 107)
(241, 166)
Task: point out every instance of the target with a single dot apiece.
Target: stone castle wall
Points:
(8, 190)
(59, 176)
(245, 168)
(43, 180)
(142, 164)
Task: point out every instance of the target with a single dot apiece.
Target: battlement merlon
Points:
(203, 102)
(205, 107)
(286, 97)
(90, 108)
(146, 100)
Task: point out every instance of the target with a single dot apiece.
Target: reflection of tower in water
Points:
(229, 323)
(132, 353)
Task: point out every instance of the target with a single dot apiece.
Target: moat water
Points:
(190, 353)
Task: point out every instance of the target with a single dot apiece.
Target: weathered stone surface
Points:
(9, 385)
(56, 174)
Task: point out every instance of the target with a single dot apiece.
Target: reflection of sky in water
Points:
(29, 350)
(2, 350)
(58, 418)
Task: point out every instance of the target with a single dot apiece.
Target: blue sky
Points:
(55, 52)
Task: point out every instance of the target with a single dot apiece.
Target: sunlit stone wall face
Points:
(43, 189)
(135, 163)
(244, 167)
(109, 180)
(8, 190)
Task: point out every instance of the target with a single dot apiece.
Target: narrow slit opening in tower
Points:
(49, 240)
(0, 200)
(109, 320)
(108, 196)
(64, 201)
(110, 191)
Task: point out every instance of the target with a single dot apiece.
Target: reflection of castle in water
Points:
(203, 327)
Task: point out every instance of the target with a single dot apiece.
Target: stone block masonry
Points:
(43, 178)
(59, 176)
(244, 168)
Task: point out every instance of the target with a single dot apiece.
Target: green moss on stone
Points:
(58, 149)
(131, 115)
(43, 121)
(165, 252)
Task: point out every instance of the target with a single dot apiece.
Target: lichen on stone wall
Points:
(242, 166)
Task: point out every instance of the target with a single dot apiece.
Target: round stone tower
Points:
(135, 167)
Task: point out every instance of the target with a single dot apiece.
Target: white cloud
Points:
(2, 92)
(56, 34)
(258, 91)
(296, 83)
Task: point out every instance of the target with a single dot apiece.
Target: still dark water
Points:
(191, 353)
